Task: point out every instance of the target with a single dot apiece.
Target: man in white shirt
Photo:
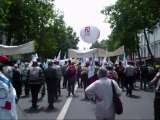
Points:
(102, 90)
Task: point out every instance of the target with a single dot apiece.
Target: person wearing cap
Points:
(8, 95)
(71, 77)
(5, 67)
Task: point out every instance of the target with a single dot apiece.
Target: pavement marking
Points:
(65, 107)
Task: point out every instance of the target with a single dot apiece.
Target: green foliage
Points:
(27, 20)
(128, 19)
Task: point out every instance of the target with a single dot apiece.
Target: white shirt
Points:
(103, 89)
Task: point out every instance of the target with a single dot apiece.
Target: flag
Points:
(91, 67)
(65, 56)
(124, 60)
(34, 58)
(59, 55)
(109, 61)
(117, 60)
(104, 62)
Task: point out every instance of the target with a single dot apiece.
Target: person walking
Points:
(71, 77)
(144, 76)
(84, 77)
(25, 79)
(129, 77)
(120, 72)
(63, 69)
(17, 81)
(102, 89)
(156, 81)
(8, 95)
(35, 79)
(50, 75)
(59, 73)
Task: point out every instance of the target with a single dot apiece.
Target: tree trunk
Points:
(138, 51)
(148, 47)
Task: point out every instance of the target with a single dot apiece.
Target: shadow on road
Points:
(34, 110)
(135, 96)
(41, 109)
(51, 110)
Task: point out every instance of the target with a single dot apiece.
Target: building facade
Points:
(154, 40)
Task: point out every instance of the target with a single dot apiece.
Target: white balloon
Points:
(90, 34)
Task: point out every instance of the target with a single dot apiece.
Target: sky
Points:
(80, 13)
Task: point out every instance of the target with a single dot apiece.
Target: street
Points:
(137, 107)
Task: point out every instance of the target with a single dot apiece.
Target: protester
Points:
(102, 89)
(95, 77)
(43, 87)
(79, 70)
(59, 76)
(36, 79)
(144, 76)
(17, 81)
(8, 109)
(71, 74)
(84, 77)
(6, 68)
(63, 69)
(50, 74)
(129, 77)
(25, 79)
(120, 72)
(156, 81)
(111, 73)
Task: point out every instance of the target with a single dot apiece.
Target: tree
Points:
(129, 18)
(37, 20)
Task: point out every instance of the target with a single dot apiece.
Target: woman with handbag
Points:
(103, 91)
(156, 81)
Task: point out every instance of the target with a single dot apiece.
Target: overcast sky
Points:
(79, 13)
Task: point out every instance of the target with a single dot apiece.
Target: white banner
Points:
(15, 50)
(73, 53)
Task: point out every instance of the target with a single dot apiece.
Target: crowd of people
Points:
(35, 78)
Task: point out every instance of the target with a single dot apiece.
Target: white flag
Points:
(59, 55)
(117, 60)
(34, 58)
(124, 60)
(65, 56)
(91, 67)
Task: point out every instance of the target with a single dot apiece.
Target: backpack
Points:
(16, 77)
(70, 71)
(120, 70)
(79, 69)
(34, 74)
(130, 71)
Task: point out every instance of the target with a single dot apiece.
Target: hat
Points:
(3, 58)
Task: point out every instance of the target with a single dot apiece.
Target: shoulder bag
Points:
(118, 107)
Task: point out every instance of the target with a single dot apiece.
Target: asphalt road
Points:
(138, 107)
